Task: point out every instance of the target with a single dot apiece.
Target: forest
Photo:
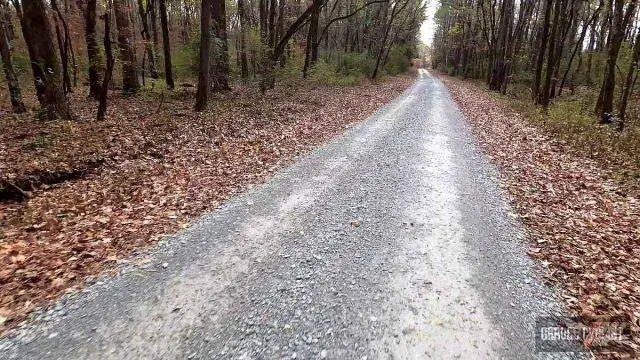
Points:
(101, 46)
(121, 121)
(547, 48)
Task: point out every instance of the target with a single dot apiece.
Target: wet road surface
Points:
(389, 242)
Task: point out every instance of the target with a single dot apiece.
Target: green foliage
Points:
(355, 64)
(399, 60)
(41, 141)
(186, 59)
(326, 74)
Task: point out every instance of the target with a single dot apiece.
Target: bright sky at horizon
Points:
(428, 26)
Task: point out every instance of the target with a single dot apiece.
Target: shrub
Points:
(399, 60)
(358, 64)
(325, 74)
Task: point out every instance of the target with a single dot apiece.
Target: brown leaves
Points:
(581, 227)
(161, 172)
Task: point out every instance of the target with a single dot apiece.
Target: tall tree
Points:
(5, 52)
(102, 106)
(219, 67)
(96, 62)
(130, 83)
(242, 16)
(168, 71)
(619, 24)
(143, 9)
(45, 66)
(202, 94)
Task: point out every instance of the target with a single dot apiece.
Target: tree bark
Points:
(146, 37)
(620, 20)
(47, 75)
(130, 83)
(168, 71)
(202, 94)
(219, 67)
(5, 52)
(102, 106)
(544, 36)
(244, 67)
(628, 85)
(96, 62)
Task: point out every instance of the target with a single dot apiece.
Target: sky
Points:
(428, 26)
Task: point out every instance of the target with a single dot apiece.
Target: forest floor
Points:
(78, 197)
(582, 218)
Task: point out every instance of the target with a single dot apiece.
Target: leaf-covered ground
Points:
(148, 170)
(584, 228)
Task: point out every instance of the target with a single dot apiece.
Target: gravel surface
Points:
(390, 242)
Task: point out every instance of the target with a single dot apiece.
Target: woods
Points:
(548, 46)
(258, 42)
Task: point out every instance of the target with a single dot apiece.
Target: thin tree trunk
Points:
(168, 71)
(544, 36)
(244, 67)
(628, 86)
(102, 106)
(5, 52)
(146, 37)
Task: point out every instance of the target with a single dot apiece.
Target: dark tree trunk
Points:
(219, 67)
(205, 44)
(146, 37)
(168, 71)
(5, 52)
(628, 85)
(154, 28)
(96, 62)
(130, 83)
(620, 21)
(47, 75)
(63, 46)
(311, 53)
(544, 94)
(244, 67)
(102, 106)
(544, 36)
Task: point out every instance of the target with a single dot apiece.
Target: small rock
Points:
(323, 354)
(165, 265)
(52, 335)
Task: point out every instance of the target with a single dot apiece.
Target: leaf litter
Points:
(583, 226)
(159, 168)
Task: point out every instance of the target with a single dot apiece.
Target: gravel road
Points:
(389, 242)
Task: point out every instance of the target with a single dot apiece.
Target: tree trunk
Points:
(628, 85)
(604, 105)
(5, 52)
(311, 51)
(130, 83)
(219, 67)
(168, 71)
(544, 36)
(205, 44)
(544, 94)
(96, 62)
(47, 75)
(146, 37)
(244, 67)
(63, 46)
(102, 106)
